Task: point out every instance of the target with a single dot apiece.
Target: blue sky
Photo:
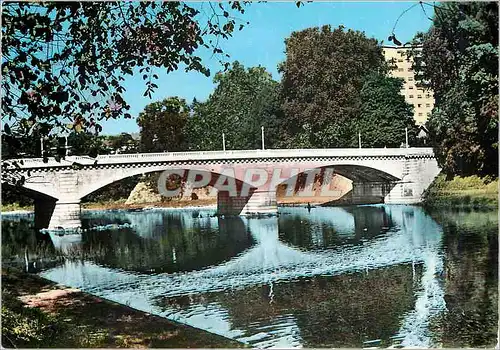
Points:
(262, 43)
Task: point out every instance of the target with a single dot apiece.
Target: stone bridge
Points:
(395, 175)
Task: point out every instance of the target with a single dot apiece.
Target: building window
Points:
(419, 96)
(427, 105)
(428, 96)
(400, 60)
(410, 78)
(420, 114)
(410, 69)
(419, 105)
(410, 87)
(400, 69)
(410, 96)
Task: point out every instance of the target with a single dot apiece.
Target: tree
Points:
(162, 125)
(323, 75)
(243, 101)
(459, 62)
(384, 113)
(122, 143)
(64, 63)
(86, 143)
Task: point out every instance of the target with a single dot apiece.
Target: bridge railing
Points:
(230, 154)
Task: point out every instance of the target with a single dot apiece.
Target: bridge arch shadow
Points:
(43, 203)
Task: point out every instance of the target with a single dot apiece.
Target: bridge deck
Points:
(216, 155)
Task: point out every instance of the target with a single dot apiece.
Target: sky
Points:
(262, 43)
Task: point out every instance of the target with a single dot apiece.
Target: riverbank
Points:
(16, 208)
(462, 192)
(119, 204)
(40, 313)
(168, 204)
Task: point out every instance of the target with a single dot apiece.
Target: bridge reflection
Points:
(330, 227)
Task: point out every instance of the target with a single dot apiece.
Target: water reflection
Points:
(166, 241)
(330, 311)
(471, 278)
(25, 247)
(328, 228)
(355, 276)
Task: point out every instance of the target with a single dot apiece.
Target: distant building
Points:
(423, 136)
(421, 99)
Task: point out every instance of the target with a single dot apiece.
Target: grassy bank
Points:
(40, 313)
(16, 207)
(120, 204)
(462, 192)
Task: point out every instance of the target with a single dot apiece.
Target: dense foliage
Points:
(161, 124)
(384, 113)
(243, 101)
(323, 75)
(459, 62)
(64, 63)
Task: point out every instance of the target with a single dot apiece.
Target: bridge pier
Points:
(66, 215)
(53, 214)
(257, 202)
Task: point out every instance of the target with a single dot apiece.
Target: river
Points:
(357, 276)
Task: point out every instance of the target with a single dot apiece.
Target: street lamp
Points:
(262, 135)
(223, 142)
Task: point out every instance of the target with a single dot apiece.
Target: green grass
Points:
(466, 192)
(15, 207)
(104, 203)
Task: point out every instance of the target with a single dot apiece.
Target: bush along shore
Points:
(462, 192)
(40, 313)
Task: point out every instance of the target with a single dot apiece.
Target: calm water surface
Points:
(359, 276)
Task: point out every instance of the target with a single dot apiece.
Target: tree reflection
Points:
(27, 248)
(171, 245)
(471, 279)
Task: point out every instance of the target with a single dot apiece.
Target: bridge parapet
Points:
(226, 155)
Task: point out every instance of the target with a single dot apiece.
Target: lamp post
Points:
(66, 153)
(41, 146)
(359, 139)
(262, 132)
(406, 136)
(223, 142)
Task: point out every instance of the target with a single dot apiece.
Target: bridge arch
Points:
(364, 183)
(94, 183)
(220, 178)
